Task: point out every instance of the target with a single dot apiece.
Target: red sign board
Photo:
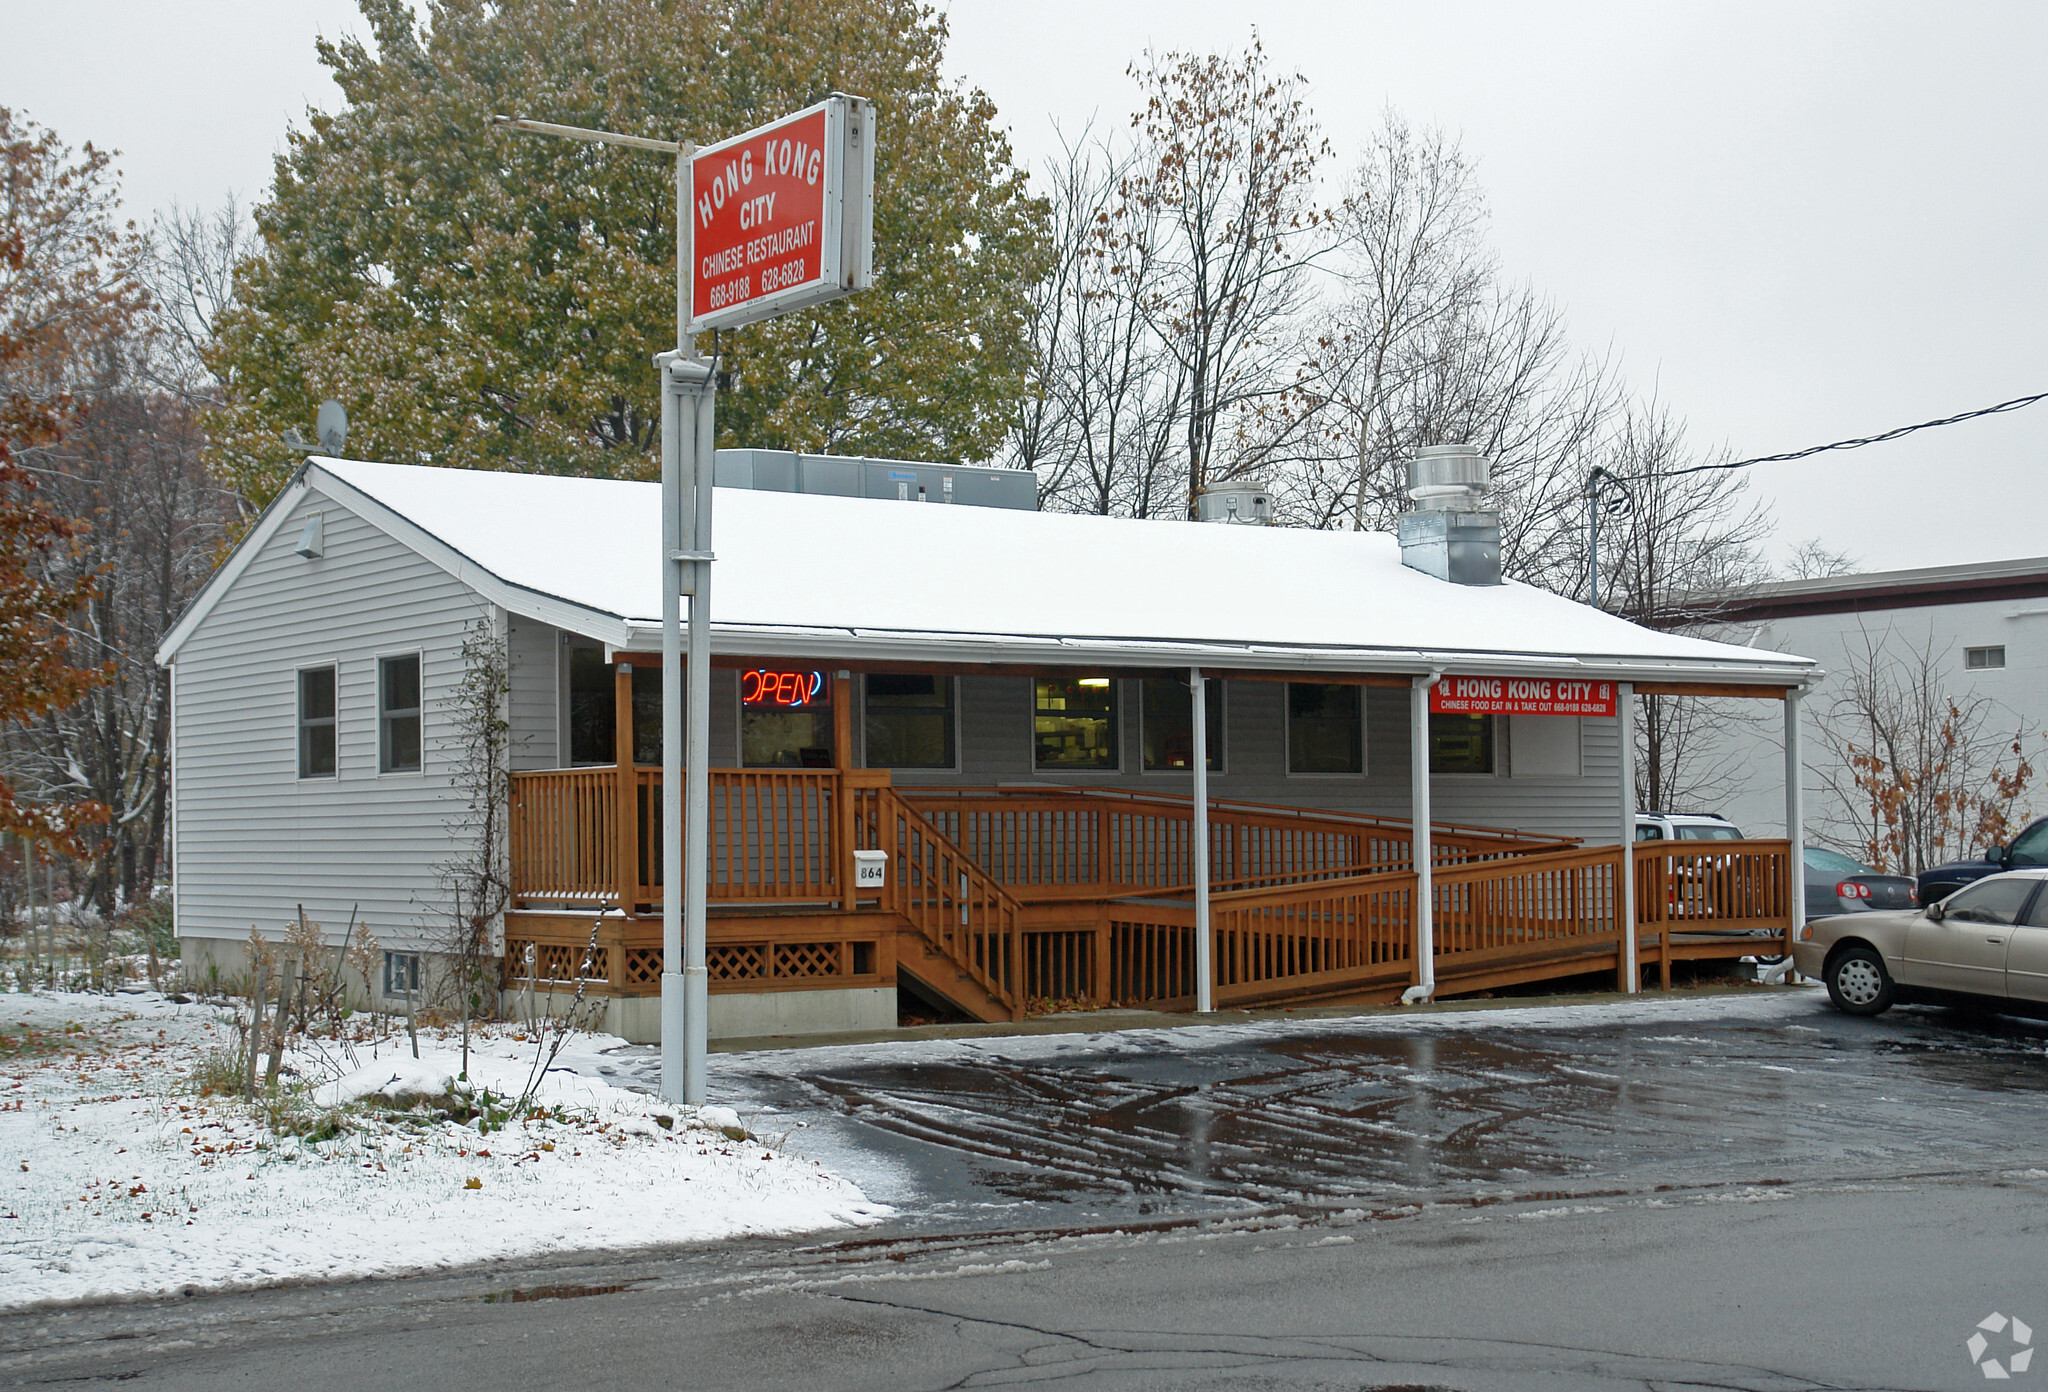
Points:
(782, 217)
(1521, 696)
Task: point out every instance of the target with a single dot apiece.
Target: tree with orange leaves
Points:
(68, 287)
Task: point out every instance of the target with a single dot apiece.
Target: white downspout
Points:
(1205, 948)
(1421, 851)
(1795, 837)
(1625, 892)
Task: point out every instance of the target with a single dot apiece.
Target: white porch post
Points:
(1205, 953)
(1420, 849)
(1625, 891)
(1795, 828)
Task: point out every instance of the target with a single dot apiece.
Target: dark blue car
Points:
(2029, 848)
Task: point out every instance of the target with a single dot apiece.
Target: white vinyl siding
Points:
(254, 840)
(531, 673)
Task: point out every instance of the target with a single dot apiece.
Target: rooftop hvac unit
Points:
(1246, 502)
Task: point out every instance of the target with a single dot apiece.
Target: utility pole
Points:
(1599, 499)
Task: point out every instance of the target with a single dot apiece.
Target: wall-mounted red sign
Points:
(761, 689)
(782, 217)
(1520, 696)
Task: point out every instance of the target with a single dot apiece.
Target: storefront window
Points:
(1461, 744)
(785, 719)
(594, 707)
(1169, 723)
(1325, 728)
(1074, 725)
(908, 721)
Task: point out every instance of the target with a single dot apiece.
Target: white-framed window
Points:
(401, 974)
(1074, 726)
(786, 717)
(398, 713)
(1166, 723)
(317, 722)
(1325, 728)
(1463, 743)
(910, 720)
(1984, 659)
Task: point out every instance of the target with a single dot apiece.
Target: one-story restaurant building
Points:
(1417, 776)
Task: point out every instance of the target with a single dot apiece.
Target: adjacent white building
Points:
(1979, 630)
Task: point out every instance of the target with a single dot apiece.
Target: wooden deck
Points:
(1006, 902)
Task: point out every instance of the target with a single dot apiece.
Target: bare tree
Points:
(1413, 272)
(1813, 561)
(1100, 423)
(1915, 774)
(1220, 213)
(190, 272)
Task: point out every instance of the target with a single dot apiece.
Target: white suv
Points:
(1685, 826)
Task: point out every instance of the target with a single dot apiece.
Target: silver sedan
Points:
(1986, 944)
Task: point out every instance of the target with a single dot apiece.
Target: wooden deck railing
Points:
(776, 836)
(1070, 843)
(1707, 885)
(998, 882)
(960, 910)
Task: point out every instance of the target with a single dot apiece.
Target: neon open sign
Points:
(761, 689)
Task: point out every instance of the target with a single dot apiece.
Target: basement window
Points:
(1983, 659)
(401, 974)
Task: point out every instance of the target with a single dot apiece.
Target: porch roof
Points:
(803, 575)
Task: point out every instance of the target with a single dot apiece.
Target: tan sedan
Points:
(1986, 944)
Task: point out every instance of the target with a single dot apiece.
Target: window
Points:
(1832, 863)
(1325, 728)
(1169, 723)
(908, 721)
(1074, 723)
(1462, 744)
(1989, 901)
(398, 714)
(401, 973)
(1982, 659)
(785, 719)
(316, 722)
(1700, 831)
(1649, 831)
(2030, 847)
(594, 710)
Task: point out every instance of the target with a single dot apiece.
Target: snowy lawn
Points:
(118, 1179)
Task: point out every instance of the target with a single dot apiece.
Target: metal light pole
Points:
(688, 438)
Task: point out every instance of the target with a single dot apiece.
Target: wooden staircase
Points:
(960, 928)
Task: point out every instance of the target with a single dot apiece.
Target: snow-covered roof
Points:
(833, 577)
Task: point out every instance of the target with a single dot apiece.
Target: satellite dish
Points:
(332, 426)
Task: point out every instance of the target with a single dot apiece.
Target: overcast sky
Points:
(1794, 222)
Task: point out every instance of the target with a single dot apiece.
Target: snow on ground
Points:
(118, 1179)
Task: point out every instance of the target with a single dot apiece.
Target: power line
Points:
(2013, 405)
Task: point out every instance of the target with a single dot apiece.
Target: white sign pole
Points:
(688, 436)
(1205, 943)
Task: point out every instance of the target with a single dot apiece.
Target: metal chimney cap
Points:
(1448, 476)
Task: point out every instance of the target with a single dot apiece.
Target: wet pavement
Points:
(1742, 1190)
(1714, 1090)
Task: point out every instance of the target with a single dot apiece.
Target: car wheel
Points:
(1857, 982)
